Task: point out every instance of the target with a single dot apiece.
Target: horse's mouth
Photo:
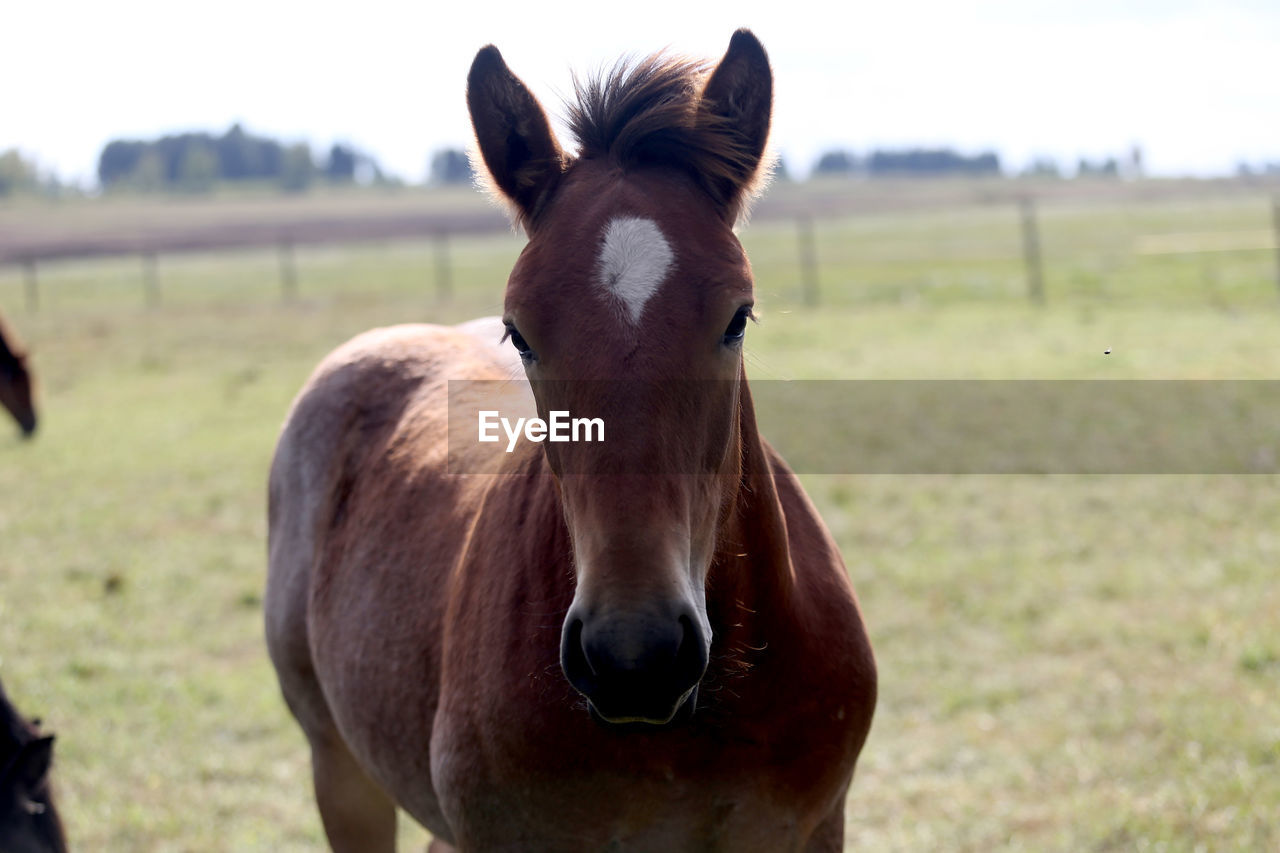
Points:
(648, 719)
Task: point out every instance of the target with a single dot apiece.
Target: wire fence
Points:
(1219, 250)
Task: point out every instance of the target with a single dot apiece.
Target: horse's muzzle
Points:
(634, 667)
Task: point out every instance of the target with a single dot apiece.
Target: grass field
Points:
(1067, 662)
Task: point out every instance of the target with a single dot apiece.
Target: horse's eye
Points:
(737, 329)
(521, 345)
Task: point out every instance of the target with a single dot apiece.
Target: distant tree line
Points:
(20, 174)
(1107, 167)
(196, 162)
(1130, 165)
(17, 173)
(933, 162)
(924, 162)
(1250, 170)
(450, 166)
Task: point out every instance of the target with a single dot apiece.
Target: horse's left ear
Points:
(31, 765)
(738, 102)
(519, 150)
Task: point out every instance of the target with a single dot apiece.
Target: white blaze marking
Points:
(633, 263)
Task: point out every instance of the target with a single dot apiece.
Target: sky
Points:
(1195, 83)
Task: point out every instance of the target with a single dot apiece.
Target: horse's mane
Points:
(646, 113)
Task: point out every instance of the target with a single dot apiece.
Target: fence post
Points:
(32, 285)
(150, 279)
(444, 268)
(288, 270)
(1275, 224)
(1031, 251)
(808, 259)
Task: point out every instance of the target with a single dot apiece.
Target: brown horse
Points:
(578, 653)
(29, 821)
(15, 383)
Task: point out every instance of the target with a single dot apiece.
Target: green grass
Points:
(1067, 663)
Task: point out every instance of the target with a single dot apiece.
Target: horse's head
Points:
(15, 386)
(29, 821)
(630, 302)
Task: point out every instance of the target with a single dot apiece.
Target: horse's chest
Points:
(623, 812)
(594, 794)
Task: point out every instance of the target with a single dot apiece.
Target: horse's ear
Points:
(519, 150)
(737, 102)
(31, 765)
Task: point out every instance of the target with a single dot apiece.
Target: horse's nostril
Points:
(691, 658)
(573, 657)
(575, 638)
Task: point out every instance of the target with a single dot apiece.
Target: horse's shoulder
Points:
(368, 386)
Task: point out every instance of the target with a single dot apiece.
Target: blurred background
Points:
(197, 204)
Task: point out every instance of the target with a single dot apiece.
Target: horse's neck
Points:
(753, 560)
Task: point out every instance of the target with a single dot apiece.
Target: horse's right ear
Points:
(519, 150)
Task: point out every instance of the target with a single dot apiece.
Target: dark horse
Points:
(578, 653)
(15, 383)
(29, 822)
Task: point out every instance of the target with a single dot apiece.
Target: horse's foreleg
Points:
(358, 815)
